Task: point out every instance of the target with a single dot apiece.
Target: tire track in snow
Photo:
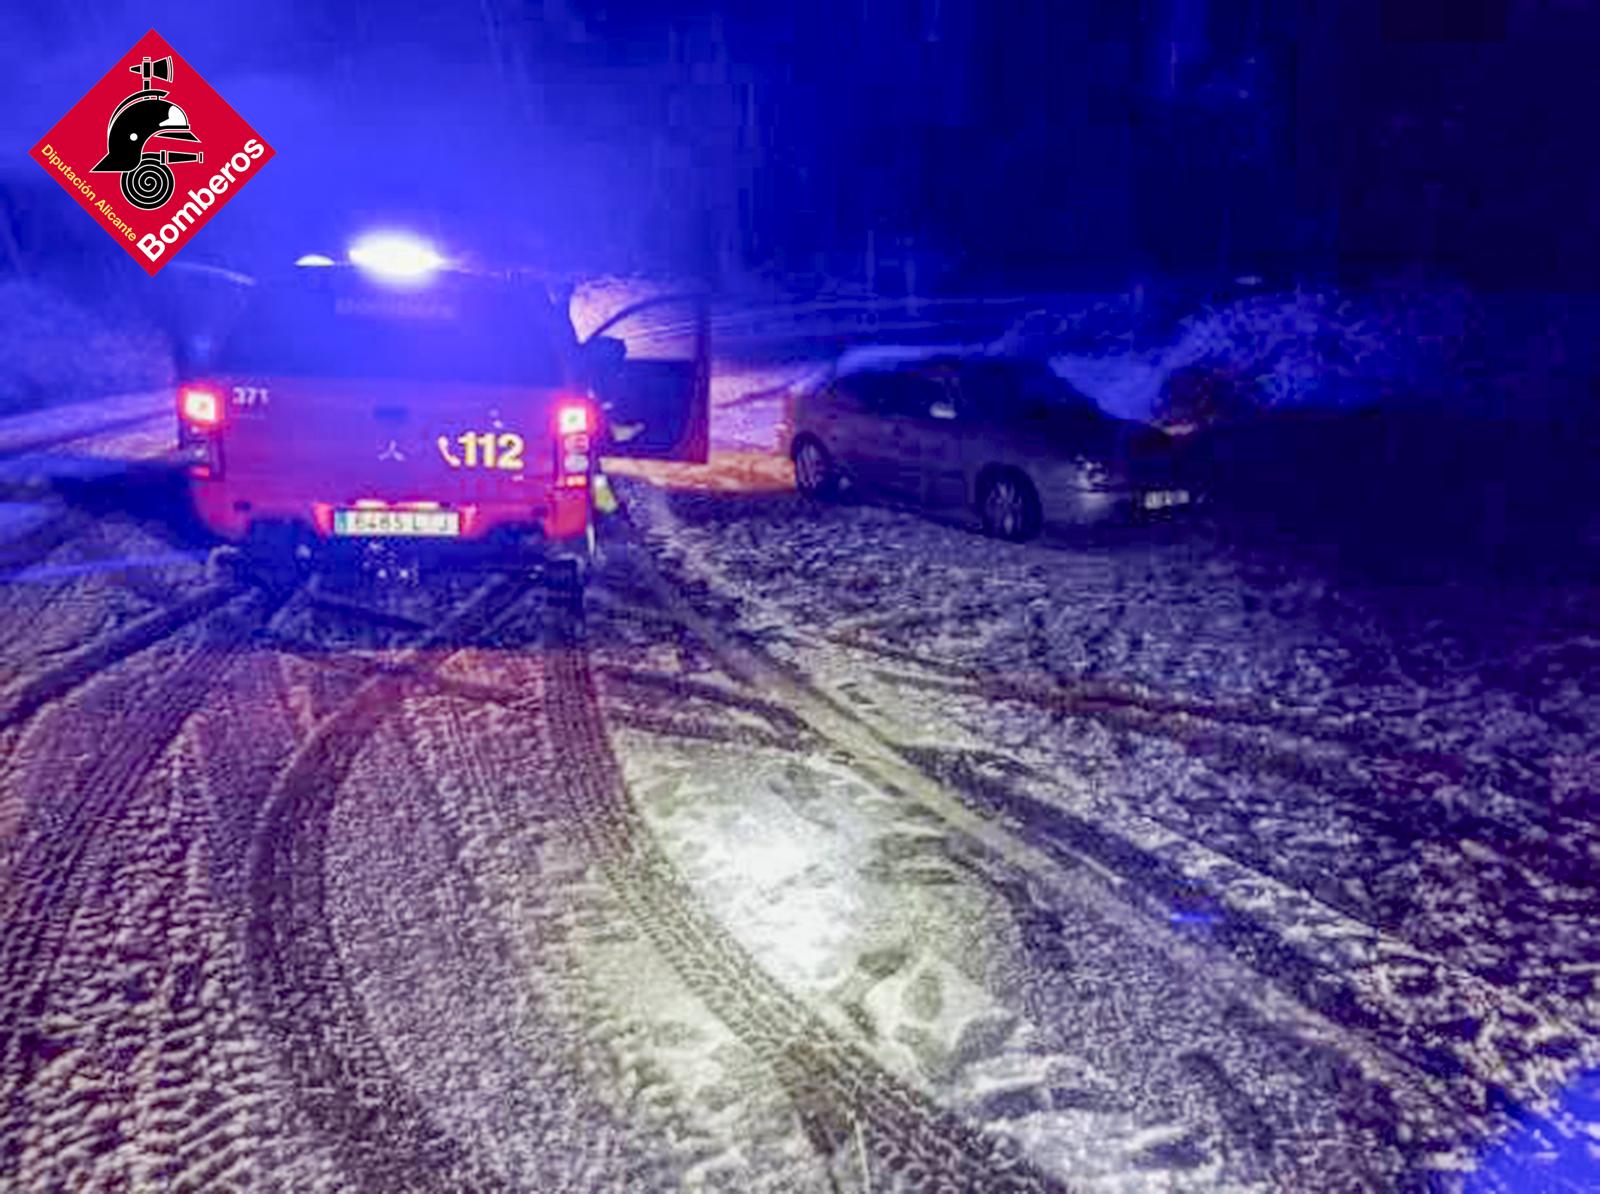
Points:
(157, 1076)
(340, 1069)
(834, 1083)
(48, 880)
(344, 1083)
(1187, 720)
(1439, 1060)
(52, 683)
(474, 967)
(1376, 791)
(39, 541)
(43, 615)
(1475, 1036)
(30, 607)
(1111, 693)
(688, 702)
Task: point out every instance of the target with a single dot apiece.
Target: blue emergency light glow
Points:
(395, 256)
(313, 259)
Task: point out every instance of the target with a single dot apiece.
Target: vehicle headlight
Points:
(1093, 473)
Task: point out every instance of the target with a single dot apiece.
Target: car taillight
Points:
(572, 444)
(200, 407)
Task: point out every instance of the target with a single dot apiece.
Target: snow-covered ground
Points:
(841, 850)
(75, 440)
(1377, 801)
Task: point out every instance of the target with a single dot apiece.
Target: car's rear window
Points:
(1011, 388)
(495, 334)
(890, 394)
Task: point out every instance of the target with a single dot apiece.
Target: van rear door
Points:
(348, 389)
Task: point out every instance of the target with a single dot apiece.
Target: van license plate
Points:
(415, 524)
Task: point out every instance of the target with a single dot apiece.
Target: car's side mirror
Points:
(942, 410)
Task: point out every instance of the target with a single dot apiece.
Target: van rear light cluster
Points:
(573, 427)
(200, 407)
(200, 419)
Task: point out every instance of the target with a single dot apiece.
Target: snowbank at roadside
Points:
(1329, 349)
(29, 430)
(1305, 349)
(57, 349)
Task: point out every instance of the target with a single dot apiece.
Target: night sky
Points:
(1029, 141)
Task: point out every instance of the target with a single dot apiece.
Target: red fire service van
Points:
(393, 407)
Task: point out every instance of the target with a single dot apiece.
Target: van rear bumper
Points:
(237, 513)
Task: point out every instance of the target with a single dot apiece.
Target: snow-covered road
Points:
(833, 849)
(1379, 804)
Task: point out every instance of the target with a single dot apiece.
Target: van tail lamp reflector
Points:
(200, 407)
(572, 418)
(572, 445)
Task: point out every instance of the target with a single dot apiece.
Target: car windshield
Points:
(491, 335)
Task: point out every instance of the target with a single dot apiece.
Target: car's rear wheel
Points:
(1009, 507)
(815, 474)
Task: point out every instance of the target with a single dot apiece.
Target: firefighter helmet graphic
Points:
(144, 116)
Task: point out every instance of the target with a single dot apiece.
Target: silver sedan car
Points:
(1002, 438)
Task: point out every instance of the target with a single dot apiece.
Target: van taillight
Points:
(200, 407)
(572, 417)
(199, 419)
(572, 444)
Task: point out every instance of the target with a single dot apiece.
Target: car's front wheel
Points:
(815, 474)
(1009, 507)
